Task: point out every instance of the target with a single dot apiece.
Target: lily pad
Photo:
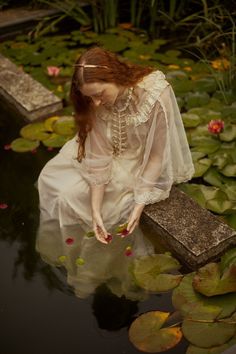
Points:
(221, 205)
(113, 42)
(148, 272)
(207, 335)
(197, 155)
(146, 333)
(55, 140)
(193, 305)
(228, 259)
(206, 84)
(34, 131)
(201, 166)
(229, 170)
(65, 125)
(191, 120)
(24, 145)
(205, 144)
(197, 99)
(210, 281)
(192, 349)
(48, 123)
(229, 133)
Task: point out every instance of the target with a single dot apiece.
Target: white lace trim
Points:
(154, 84)
(152, 197)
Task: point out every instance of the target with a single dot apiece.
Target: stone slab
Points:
(24, 94)
(193, 234)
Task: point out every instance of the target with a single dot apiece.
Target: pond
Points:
(39, 312)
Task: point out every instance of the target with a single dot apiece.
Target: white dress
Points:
(153, 154)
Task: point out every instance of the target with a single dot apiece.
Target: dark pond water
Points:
(38, 311)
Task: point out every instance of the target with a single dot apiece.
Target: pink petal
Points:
(69, 241)
(3, 206)
(50, 148)
(7, 147)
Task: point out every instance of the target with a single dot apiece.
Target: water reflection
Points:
(88, 262)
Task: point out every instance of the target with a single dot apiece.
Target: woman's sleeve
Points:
(167, 158)
(97, 164)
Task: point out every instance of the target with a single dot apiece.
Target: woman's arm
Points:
(96, 199)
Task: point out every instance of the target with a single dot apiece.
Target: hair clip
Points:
(91, 66)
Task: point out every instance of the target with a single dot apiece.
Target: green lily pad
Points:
(213, 177)
(55, 140)
(201, 166)
(229, 170)
(194, 305)
(207, 335)
(194, 191)
(24, 145)
(113, 43)
(182, 86)
(221, 205)
(192, 349)
(205, 113)
(229, 133)
(196, 155)
(210, 281)
(228, 259)
(180, 74)
(191, 120)
(48, 123)
(147, 335)
(148, 272)
(206, 84)
(34, 131)
(220, 159)
(205, 144)
(65, 125)
(197, 99)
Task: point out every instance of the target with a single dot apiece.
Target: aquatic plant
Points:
(205, 304)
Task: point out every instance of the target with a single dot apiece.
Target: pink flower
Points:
(124, 233)
(53, 70)
(50, 148)
(7, 147)
(215, 126)
(3, 206)
(69, 241)
(128, 251)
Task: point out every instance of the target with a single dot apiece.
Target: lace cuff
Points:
(151, 197)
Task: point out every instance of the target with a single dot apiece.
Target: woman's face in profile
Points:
(102, 93)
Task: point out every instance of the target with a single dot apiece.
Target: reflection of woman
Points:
(130, 149)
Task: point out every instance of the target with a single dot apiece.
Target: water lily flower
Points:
(128, 251)
(7, 147)
(3, 206)
(69, 241)
(220, 64)
(215, 126)
(53, 70)
(122, 230)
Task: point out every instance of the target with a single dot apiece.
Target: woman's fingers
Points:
(101, 234)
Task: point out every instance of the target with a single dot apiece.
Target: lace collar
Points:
(144, 97)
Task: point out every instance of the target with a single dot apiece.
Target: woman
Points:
(130, 149)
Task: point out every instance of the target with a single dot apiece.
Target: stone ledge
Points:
(192, 233)
(25, 95)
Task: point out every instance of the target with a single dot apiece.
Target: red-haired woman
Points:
(130, 149)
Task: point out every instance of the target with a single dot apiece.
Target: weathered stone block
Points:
(192, 233)
(25, 95)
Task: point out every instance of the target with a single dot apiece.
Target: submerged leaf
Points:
(147, 335)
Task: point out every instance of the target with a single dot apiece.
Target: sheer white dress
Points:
(152, 154)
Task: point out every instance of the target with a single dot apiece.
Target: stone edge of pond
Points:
(25, 95)
(193, 234)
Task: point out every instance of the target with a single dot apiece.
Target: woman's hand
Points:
(99, 229)
(134, 218)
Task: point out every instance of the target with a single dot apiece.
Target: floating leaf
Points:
(229, 133)
(113, 43)
(24, 145)
(147, 335)
(34, 131)
(191, 120)
(229, 170)
(228, 259)
(65, 126)
(147, 272)
(207, 335)
(196, 306)
(205, 144)
(197, 99)
(207, 84)
(201, 166)
(209, 280)
(48, 123)
(197, 155)
(221, 205)
(55, 140)
(213, 350)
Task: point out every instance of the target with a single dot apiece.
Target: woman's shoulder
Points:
(156, 80)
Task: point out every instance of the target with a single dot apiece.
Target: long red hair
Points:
(114, 71)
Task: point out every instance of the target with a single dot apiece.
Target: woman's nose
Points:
(96, 101)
